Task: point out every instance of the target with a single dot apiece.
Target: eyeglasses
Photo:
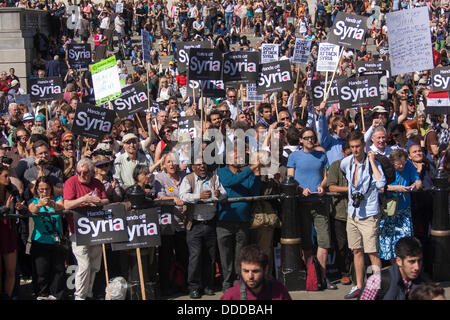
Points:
(24, 136)
(308, 138)
(231, 96)
(104, 165)
(83, 173)
(167, 131)
(108, 142)
(131, 142)
(69, 141)
(284, 119)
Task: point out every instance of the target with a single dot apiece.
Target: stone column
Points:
(17, 27)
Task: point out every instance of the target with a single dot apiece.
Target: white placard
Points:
(252, 94)
(106, 83)
(269, 52)
(328, 57)
(409, 40)
(119, 7)
(302, 50)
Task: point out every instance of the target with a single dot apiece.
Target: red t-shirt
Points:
(279, 292)
(181, 80)
(73, 189)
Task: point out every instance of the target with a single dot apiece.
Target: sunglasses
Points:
(284, 119)
(308, 138)
(68, 141)
(108, 142)
(103, 166)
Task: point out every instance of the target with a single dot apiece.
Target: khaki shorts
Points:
(363, 233)
(314, 214)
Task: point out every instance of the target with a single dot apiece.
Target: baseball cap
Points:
(38, 130)
(14, 83)
(103, 146)
(379, 109)
(27, 116)
(171, 62)
(129, 136)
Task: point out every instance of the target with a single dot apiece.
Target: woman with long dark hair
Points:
(46, 251)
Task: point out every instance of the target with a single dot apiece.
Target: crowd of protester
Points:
(45, 167)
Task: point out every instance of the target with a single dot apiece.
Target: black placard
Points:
(97, 225)
(241, 66)
(211, 88)
(348, 30)
(205, 64)
(182, 52)
(186, 126)
(373, 68)
(91, 121)
(359, 92)
(45, 89)
(133, 99)
(440, 79)
(143, 230)
(317, 88)
(275, 76)
(79, 54)
(100, 52)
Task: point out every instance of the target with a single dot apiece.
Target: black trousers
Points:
(339, 239)
(201, 241)
(48, 264)
(173, 247)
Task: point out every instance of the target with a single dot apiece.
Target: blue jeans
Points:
(182, 19)
(228, 20)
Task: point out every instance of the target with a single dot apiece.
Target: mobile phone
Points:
(280, 124)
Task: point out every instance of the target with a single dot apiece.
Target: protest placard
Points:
(146, 45)
(205, 64)
(240, 66)
(269, 52)
(348, 30)
(252, 94)
(79, 54)
(142, 230)
(132, 100)
(318, 88)
(409, 40)
(119, 7)
(438, 102)
(373, 67)
(302, 50)
(359, 92)
(187, 127)
(211, 88)
(45, 89)
(275, 76)
(91, 121)
(328, 57)
(182, 52)
(105, 79)
(440, 78)
(97, 225)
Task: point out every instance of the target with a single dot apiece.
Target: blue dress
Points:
(393, 228)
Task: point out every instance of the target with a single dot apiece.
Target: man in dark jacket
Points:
(52, 68)
(396, 282)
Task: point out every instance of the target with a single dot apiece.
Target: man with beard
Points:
(253, 285)
(67, 158)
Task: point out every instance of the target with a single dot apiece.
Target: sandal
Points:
(329, 285)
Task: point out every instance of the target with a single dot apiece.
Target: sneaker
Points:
(354, 293)
(51, 297)
(42, 298)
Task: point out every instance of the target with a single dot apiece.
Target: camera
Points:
(357, 198)
(6, 160)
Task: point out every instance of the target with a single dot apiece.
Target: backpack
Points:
(176, 274)
(313, 275)
(387, 166)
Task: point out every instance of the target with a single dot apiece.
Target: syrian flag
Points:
(438, 102)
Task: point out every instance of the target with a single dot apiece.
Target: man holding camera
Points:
(364, 176)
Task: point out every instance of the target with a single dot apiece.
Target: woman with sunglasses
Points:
(165, 142)
(46, 254)
(173, 247)
(103, 173)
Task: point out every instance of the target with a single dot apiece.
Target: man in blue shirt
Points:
(233, 223)
(364, 176)
(309, 168)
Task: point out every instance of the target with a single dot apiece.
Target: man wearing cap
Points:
(13, 90)
(28, 121)
(67, 157)
(125, 162)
